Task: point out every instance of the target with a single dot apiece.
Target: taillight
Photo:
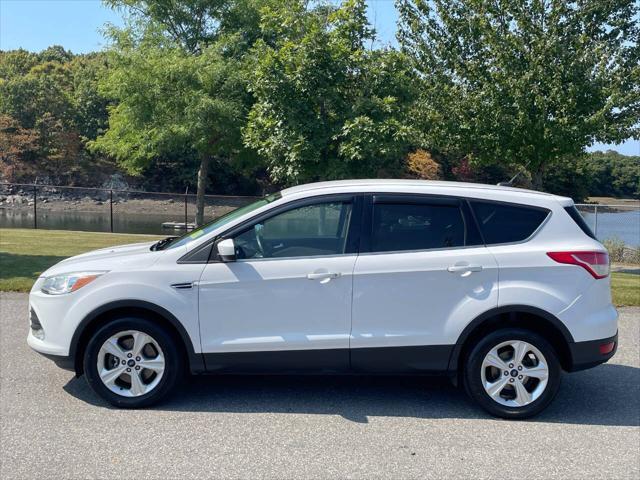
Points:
(596, 263)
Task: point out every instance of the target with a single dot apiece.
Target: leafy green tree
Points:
(326, 105)
(524, 82)
(168, 99)
(613, 174)
(176, 75)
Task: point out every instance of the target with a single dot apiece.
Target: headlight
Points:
(70, 282)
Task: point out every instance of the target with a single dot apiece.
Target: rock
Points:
(30, 203)
(16, 199)
(98, 202)
(171, 200)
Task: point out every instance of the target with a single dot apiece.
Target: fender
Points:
(457, 349)
(196, 361)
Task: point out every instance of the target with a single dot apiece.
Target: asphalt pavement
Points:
(53, 426)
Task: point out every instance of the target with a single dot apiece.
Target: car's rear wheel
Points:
(132, 362)
(512, 373)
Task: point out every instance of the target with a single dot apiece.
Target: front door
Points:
(285, 303)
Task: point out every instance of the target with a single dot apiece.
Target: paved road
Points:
(53, 426)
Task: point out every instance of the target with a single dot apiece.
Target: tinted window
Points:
(398, 226)
(312, 230)
(502, 223)
(575, 215)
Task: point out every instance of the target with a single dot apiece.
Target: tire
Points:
(133, 363)
(484, 373)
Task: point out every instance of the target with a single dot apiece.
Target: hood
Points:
(135, 255)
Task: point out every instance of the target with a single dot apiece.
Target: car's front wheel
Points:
(512, 373)
(132, 362)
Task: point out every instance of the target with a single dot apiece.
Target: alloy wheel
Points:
(514, 373)
(131, 363)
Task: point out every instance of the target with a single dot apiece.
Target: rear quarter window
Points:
(577, 217)
(507, 223)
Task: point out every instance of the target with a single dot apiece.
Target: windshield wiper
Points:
(161, 244)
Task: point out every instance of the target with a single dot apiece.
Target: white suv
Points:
(499, 288)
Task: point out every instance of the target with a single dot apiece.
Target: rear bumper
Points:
(588, 354)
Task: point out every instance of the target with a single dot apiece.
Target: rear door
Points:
(422, 274)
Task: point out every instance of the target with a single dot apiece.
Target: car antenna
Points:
(509, 183)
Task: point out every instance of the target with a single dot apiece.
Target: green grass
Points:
(625, 288)
(25, 253)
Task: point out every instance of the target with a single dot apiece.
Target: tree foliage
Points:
(422, 164)
(50, 107)
(327, 106)
(525, 82)
(166, 100)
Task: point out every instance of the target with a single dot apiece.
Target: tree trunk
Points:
(537, 178)
(202, 186)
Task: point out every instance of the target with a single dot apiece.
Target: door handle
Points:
(322, 275)
(464, 268)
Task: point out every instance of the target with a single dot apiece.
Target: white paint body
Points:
(373, 300)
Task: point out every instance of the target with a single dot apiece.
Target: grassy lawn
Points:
(626, 289)
(25, 253)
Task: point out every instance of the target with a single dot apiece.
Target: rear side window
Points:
(399, 226)
(503, 223)
(575, 214)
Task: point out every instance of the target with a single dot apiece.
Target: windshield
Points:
(220, 221)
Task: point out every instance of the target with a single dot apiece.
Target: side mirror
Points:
(227, 250)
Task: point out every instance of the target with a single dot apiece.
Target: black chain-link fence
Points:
(106, 210)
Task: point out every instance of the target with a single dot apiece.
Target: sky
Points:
(76, 25)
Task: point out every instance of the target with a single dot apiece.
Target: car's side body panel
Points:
(412, 299)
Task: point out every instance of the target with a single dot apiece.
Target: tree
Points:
(18, 149)
(421, 164)
(326, 106)
(51, 94)
(177, 77)
(612, 174)
(525, 82)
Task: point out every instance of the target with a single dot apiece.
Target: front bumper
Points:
(57, 356)
(64, 362)
(588, 354)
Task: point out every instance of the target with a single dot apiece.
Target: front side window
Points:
(398, 227)
(219, 222)
(319, 229)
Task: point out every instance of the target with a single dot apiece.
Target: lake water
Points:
(623, 225)
(90, 222)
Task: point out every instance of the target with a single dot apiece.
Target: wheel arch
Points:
(524, 316)
(103, 314)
